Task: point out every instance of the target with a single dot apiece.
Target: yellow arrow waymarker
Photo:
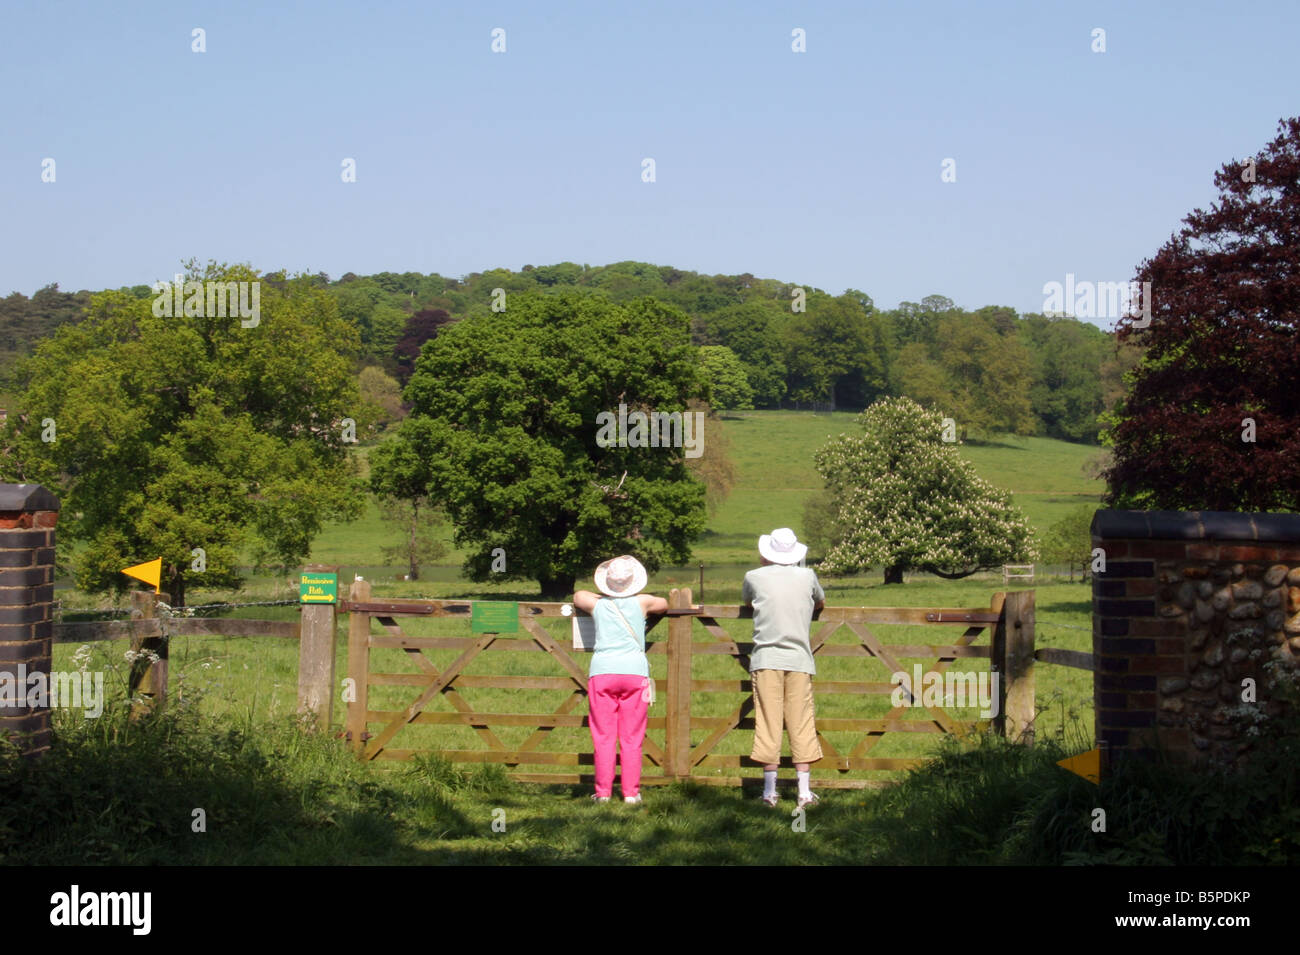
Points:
(150, 573)
(1087, 765)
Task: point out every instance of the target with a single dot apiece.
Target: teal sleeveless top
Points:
(618, 651)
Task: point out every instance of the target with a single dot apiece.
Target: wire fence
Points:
(198, 610)
(220, 607)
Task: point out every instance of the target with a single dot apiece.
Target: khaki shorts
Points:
(784, 695)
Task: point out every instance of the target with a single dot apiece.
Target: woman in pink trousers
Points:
(619, 688)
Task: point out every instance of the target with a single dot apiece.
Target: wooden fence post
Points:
(148, 679)
(1013, 656)
(677, 735)
(316, 655)
(358, 665)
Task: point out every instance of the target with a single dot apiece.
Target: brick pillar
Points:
(1192, 606)
(28, 513)
(1124, 645)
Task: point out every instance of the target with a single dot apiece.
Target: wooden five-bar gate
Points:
(690, 740)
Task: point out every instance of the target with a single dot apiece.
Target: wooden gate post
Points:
(358, 665)
(677, 735)
(148, 679)
(316, 656)
(1013, 656)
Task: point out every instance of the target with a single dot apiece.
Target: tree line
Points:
(765, 343)
(772, 344)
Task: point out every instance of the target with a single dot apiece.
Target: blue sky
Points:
(820, 167)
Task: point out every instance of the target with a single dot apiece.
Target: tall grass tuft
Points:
(1000, 803)
(112, 791)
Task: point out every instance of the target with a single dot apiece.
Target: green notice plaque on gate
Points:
(316, 588)
(494, 616)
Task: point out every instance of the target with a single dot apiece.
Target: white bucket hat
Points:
(782, 547)
(621, 577)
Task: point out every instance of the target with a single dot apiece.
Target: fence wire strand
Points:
(185, 611)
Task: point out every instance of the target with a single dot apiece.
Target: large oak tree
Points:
(163, 434)
(504, 435)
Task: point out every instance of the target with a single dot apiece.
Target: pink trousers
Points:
(618, 704)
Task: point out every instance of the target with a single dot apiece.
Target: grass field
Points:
(251, 678)
(773, 456)
(775, 474)
(114, 792)
(248, 685)
(277, 796)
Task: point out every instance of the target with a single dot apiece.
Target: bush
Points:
(1006, 804)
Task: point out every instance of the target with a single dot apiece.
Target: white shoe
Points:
(771, 800)
(595, 798)
(811, 799)
(633, 800)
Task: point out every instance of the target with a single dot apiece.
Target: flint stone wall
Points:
(1192, 604)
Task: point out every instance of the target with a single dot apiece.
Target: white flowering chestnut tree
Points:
(904, 499)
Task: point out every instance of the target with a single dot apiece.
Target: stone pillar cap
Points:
(27, 497)
(1196, 525)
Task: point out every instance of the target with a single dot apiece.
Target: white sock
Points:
(769, 783)
(803, 784)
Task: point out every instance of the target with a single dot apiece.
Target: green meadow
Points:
(252, 678)
(243, 691)
(773, 453)
(248, 679)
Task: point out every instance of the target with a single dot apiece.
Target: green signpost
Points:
(315, 588)
(494, 616)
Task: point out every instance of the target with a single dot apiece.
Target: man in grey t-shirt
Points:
(784, 597)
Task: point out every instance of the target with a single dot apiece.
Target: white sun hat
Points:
(782, 547)
(621, 577)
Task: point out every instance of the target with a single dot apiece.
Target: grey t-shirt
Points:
(783, 597)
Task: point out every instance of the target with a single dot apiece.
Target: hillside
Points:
(775, 475)
(773, 455)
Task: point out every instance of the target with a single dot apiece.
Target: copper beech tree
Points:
(1211, 420)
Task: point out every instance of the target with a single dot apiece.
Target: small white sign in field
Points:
(584, 632)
